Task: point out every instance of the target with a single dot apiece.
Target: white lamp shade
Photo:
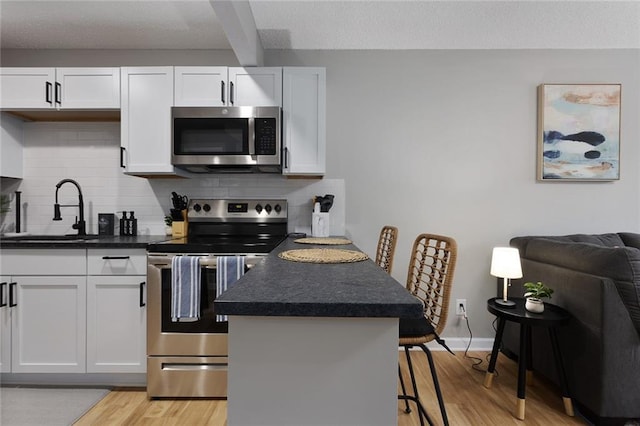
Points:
(505, 262)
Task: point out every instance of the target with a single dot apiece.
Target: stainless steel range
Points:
(189, 359)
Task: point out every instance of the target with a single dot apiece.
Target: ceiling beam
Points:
(240, 27)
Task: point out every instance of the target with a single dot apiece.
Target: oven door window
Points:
(207, 322)
(211, 136)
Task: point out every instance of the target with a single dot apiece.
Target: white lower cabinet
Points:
(116, 324)
(5, 325)
(84, 313)
(44, 302)
(116, 311)
(48, 327)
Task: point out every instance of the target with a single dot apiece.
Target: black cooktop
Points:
(260, 244)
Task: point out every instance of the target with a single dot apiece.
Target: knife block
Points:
(179, 228)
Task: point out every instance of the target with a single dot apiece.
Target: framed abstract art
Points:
(579, 132)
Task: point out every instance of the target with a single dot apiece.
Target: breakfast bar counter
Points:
(314, 343)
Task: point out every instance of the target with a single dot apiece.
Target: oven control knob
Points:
(277, 208)
(206, 208)
(259, 208)
(197, 207)
(268, 208)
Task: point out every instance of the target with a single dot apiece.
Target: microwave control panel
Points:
(266, 136)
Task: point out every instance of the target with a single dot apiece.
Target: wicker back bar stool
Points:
(386, 247)
(430, 276)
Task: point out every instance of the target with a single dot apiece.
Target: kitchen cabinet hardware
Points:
(13, 300)
(47, 92)
(115, 257)
(286, 157)
(122, 152)
(222, 99)
(58, 93)
(2, 301)
(231, 97)
(142, 304)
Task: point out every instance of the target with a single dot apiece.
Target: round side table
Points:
(552, 317)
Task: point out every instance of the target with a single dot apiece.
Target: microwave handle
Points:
(286, 157)
(222, 92)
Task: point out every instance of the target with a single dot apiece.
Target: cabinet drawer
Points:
(117, 262)
(43, 262)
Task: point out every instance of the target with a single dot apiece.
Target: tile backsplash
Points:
(89, 153)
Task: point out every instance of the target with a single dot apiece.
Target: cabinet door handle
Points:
(231, 96)
(47, 92)
(115, 257)
(142, 304)
(222, 92)
(286, 157)
(13, 299)
(58, 93)
(3, 302)
(122, 152)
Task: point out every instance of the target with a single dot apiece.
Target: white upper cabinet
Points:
(60, 88)
(259, 86)
(223, 86)
(145, 121)
(200, 86)
(11, 146)
(304, 121)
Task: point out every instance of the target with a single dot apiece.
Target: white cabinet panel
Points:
(116, 262)
(89, 88)
(304, 120)
(43, 262)
(62, 88)
(48, 323)
(116, 324)
(200, 86)
(145, 121)
(259, 86)
(27, 87)
(5, 325)
(11, 146)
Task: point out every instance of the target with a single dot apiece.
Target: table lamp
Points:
(505, 264)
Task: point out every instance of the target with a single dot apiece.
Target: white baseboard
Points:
(459, 344)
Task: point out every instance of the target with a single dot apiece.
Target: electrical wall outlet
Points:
(461, 307)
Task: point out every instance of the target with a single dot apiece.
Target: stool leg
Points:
(488, 378)
(416, 398)
(436, 384)
(566, 398)
(522, 369)
(404, 391)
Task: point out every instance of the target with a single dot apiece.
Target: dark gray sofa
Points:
(597, 279)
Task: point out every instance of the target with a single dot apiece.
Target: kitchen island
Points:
(314, 344)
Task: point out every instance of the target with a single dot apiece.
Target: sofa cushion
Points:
(607, 240)
(621, 264)
(630, 239)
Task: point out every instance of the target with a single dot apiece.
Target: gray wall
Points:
(445, 142)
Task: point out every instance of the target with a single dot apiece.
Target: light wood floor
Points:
(468, 402)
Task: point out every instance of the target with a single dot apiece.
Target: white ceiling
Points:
(433, 24)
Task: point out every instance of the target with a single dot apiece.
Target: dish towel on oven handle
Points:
(185, 288)
(229, 269)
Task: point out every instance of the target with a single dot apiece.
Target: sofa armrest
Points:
(620, 264)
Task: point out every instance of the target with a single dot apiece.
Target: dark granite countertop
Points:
(102, 241)
(277, 287)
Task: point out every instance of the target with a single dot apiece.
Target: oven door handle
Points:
(184, 366)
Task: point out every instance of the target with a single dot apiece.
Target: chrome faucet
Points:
(80, 224)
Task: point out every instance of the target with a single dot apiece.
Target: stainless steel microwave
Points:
(226, 139)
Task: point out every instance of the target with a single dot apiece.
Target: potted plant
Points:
(535, 292)
(168, 221)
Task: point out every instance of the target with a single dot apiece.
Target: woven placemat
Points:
(323, 256)
(322, 240)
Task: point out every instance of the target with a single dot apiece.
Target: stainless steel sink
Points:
(50, 238)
